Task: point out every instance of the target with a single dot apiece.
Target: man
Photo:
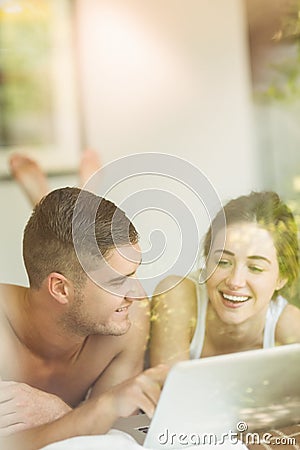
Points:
(79, 329)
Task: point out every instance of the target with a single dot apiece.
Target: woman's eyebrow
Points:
(227, 252)
(259, 257)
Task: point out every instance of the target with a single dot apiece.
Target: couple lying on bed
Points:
(78, 333)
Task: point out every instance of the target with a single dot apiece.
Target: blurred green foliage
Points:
(25, 77)
(285, 83)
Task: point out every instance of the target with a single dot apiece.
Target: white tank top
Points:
(274, 311)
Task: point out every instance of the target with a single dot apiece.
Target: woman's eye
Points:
(256, 269)
(223, 263)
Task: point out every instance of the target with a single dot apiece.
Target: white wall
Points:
(170, 76)
(15, 211)
(161, 76)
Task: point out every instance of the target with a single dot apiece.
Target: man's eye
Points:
(118, 283)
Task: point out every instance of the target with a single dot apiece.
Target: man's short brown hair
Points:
(71, 224)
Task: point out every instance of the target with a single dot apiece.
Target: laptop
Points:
(234, 393)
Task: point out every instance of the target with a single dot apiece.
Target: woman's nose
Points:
(236, 278)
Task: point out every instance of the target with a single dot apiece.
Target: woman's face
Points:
(246, 275)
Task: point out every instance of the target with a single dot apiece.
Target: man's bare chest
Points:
(70, 379)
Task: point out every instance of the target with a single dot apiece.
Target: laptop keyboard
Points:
(143, 429)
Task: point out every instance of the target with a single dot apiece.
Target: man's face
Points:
(102, 305)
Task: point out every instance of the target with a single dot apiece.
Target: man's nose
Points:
(135, 290)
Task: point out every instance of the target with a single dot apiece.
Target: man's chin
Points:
(115, 329)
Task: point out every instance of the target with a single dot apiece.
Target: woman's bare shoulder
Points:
(173, 308)
(175, 298)
(175, 285)
(288, 326)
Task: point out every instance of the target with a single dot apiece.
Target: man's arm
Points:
(22, 407)
(130, 360)
(97, 415)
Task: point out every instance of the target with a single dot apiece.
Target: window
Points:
(38, 101)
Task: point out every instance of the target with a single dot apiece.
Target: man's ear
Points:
(281, 283)
(60, 287)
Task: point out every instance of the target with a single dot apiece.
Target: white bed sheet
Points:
(118, 440)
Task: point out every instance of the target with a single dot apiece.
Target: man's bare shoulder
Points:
(10, 294)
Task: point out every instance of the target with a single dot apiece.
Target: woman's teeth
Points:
(235, 298)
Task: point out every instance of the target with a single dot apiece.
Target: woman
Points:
(240, 306)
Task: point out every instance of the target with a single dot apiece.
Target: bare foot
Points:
(30, 177)
(89, 164)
